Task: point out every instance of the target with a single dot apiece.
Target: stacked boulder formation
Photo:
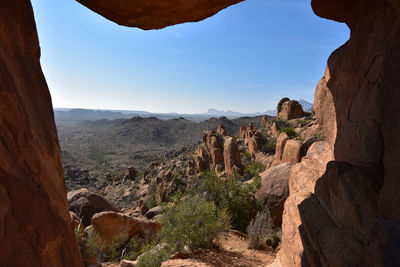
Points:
(289, 109)
(218, 152)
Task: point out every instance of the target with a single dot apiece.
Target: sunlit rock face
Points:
(156, 14)
(352, 217)
(34, 220)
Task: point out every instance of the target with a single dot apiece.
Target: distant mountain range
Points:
(64, 114)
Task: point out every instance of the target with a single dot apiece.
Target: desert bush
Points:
(319, 136)
(253, 170)
(110, 250)
(260, 229)
(152, 256)
(246, 155)
(269, 148)
(232, 195)
(301, 123)
(192, 222)
(289, 131)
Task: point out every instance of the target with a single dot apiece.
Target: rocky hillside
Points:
(246, 176)
(343, 204)
(93, 150)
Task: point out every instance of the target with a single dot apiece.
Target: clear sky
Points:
(245, 58)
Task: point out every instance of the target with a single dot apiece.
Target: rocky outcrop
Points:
(221, 131)
(253, 139)
(275, 189)
(131, 174)
(291, 152)
(109, 225)
(233, 163)
(157, 14)
(352, 102)
(85, 203)
(302, 181)
(280, 146)
(289, 109)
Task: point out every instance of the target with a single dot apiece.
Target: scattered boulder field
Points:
(131, 204)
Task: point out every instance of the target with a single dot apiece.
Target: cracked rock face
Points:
(357, 102)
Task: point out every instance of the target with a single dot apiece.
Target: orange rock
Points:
(301, 184)
(291, 152)
(110, 225)
(275, 189)
(232, 159)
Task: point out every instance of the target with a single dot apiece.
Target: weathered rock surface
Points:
(275, 189)
(85, 203)
(232, 157)
(301, 184)
(156, 14)
(280, 146)
(289, 109)
(35, 228)
(291, 152)
(338, 219)
(109, 225)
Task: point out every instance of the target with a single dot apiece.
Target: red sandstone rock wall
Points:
(352, 217)
(34, 220)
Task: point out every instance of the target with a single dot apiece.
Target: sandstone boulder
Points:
(291, 151)
(154, 212)
(110, 225)
(85, 203)
(280, 146)
(290, 109)
(275, 189)
(232, 159)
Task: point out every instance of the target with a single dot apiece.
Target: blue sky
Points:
(245, 58)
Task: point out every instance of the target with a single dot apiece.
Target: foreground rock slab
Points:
(85, 204)
(275, 189)
(110, 225)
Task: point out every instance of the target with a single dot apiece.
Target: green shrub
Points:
(260, 229)
(193, 222)
(289, 131)
(301, 123)
(319, 136)
(269, 148)
(110, 250)
(232, 195)
(152, 256)
(253, 170)
(246, 155)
